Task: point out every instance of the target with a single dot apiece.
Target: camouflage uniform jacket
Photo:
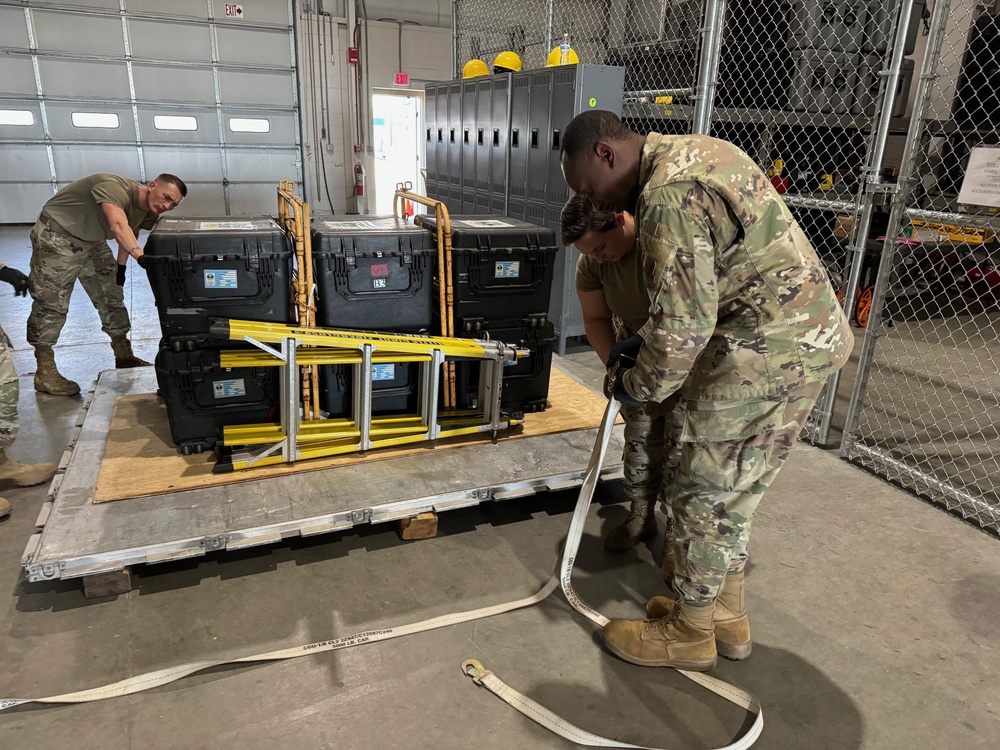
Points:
(741, 308)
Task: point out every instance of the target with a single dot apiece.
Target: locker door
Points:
(538, 130)
(453, 136)
(468, 146)
(517, 180)
(430, 134)
(482, 144)
(499, 138)
(562, 111)
(440, 133)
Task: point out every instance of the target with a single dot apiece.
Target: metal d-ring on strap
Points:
(473, 668)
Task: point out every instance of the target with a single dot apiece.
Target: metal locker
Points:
(453, 136)
(484, 137)
(430, 133)
(440, 132)
(537, 136)
(468, 146)
(499, 138)
(562, 111)
(517, 177)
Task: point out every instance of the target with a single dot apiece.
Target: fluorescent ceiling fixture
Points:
(249, 125)
(95, 120)
(175, 122)
(16, 117)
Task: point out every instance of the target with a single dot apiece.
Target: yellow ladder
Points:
(295, 438)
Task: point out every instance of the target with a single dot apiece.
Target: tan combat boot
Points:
(682, 640)
(4, 508)
(730, 622)
(47, 377)
(638, 527)
(23, 475)
(123, 355)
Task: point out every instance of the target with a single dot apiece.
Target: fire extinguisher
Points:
(359, 180)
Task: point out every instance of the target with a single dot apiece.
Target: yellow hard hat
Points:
(555, 54)
(506, 61)
(475, 68)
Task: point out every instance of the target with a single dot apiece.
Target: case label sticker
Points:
(378, 284)
(383, 372)
(216, 225)
(482, 223)
(221, 279)
(229, 388)
(507, 269)
(351, 225)
(380, 269)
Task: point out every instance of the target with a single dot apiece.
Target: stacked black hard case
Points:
(502, 271)
(373, 273)
(204, 268)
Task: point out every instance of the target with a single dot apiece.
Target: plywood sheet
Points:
(140, 460)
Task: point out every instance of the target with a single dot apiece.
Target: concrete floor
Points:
(875, 616)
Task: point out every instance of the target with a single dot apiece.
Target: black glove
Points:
(626, 350)
(141, 260)
(120, 275)
(615, 388)
(16, 279)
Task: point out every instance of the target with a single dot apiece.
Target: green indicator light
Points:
(593, 102)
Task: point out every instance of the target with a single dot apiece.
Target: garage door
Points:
(200, 88)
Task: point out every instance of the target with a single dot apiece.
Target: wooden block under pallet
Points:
(107, 584)
(423, 526)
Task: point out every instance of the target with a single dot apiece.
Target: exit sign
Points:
(402, 79)
(234, 11)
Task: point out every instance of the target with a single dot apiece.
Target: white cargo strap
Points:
(473, 668)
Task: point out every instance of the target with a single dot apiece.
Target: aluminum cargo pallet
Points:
(77, 538)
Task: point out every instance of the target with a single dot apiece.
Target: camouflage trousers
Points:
(8, 393)
(57, 261)
(711, 483)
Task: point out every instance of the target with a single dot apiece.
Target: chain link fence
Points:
(819, 92)
(924, 412)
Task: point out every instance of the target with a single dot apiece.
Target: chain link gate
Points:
(923, 412)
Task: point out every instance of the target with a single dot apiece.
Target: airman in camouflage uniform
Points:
(744, 327)
(69, 242)
(11, 471)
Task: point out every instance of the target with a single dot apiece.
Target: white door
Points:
(395, 129)
(203, 89)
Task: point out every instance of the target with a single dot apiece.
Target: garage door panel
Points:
(243, 87)
(249, 199)
(76, 32)
(203, 199)
(164, 123)
(29, 163)
(191, 163)
(254, 46)
(270, 13)
(74, 162)
(160, 40)
(159, 83)
(104, 4)
(247, 165)
(17, 76)
(13, 29)
(75, 78)
(32, 132)
(280, 126)
(19, 204)
(187, 8)
(61, 128)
